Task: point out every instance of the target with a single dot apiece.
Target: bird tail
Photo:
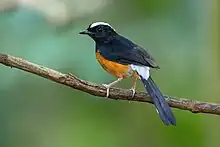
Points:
(159, 101)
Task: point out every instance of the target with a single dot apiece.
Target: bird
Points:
(124, 58)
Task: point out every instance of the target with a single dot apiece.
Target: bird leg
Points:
(133, 88)
(107, 86)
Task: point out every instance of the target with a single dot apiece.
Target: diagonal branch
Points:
(97, 90)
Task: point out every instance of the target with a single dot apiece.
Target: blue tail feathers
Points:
(159, 101)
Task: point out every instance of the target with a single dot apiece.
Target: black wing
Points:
(124, 51)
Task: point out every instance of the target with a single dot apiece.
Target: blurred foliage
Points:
(183, 37)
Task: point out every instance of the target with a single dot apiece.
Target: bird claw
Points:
(107, 87)
(133, 92)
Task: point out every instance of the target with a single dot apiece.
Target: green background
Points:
(183, 37)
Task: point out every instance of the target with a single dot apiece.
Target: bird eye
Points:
(99, 29)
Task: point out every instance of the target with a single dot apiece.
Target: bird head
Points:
(100, 31)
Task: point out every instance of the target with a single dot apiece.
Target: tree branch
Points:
(97, 90)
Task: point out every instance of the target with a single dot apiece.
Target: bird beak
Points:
(85, 32)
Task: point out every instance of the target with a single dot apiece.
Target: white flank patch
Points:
(100, 23)
(143, 71)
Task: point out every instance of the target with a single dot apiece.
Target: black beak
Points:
(85, 32)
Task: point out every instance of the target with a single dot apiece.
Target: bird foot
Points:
(107, 87)
(133, 92)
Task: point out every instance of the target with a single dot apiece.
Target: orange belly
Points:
(113, 68)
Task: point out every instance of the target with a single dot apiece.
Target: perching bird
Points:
(123, 58)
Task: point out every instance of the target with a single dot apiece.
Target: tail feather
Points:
(159, 101)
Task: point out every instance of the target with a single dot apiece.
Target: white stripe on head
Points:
(100, 23)
(143, 71)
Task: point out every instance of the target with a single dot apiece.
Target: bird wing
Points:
(124, 51)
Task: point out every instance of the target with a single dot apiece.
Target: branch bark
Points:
(97, 90)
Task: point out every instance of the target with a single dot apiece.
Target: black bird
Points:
(123, 58)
